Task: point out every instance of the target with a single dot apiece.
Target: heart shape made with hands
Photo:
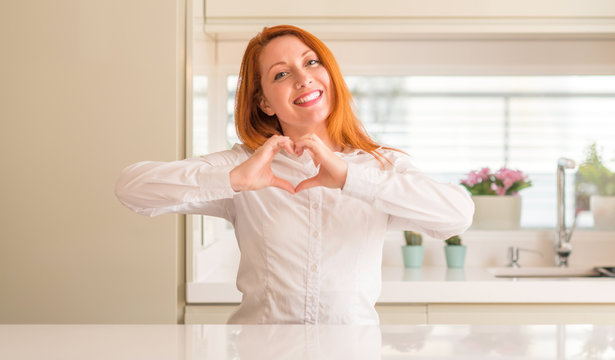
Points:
(255, 173)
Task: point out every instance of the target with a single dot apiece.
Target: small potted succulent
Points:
(455, 252)
(595, 189)
(495, 195)
(413, 250)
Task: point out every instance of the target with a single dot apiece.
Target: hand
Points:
(333, 169)
(255, 173)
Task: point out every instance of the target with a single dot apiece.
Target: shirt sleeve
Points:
(413, 200)
(192, 186)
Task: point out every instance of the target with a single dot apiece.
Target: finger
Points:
(283, 184)
(289, 147)
(314, 158)
(286, 143)
(302, 148)
(308, 183)
(273, 140)
(268, 148)
(275, 144)
(299, 148)
(313, 143)
(317, 152)
(302, 145)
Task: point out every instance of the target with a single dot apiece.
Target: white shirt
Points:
(315, 256)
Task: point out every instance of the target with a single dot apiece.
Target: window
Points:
(453, 124)
(454, 105)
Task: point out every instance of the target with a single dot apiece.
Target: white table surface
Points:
(296, 342)
(442, 285)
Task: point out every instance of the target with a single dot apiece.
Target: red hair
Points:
(254, 127)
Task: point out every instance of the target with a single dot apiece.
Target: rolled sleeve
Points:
(412, 199)
(215, 183)
(361, 183)
(191, 186)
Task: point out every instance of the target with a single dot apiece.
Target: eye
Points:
(280, 75)
(313, 62)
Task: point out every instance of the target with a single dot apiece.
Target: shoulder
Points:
(237, 154)
(391, 159)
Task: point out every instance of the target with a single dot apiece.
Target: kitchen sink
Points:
(543, 271)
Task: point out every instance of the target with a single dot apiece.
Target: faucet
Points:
(513, 255)
(562, 235)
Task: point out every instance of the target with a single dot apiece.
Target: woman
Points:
(309, 194)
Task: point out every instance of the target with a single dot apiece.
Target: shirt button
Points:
(315, 206)
(314, 267)
(315, 234)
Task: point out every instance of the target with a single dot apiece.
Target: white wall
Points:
(87, 87)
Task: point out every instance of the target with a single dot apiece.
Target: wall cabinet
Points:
(408, 9)
(514, 314)
(402, 18)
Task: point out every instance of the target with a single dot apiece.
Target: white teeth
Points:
(310, 97)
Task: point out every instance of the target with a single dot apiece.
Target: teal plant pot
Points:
(413, 256)
(455, 255)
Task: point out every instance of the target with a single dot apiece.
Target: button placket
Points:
(314, 257)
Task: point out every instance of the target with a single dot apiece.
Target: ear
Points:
(265, 107)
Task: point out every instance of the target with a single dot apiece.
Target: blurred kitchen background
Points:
(90, 87)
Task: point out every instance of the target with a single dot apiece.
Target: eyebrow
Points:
(282, 62)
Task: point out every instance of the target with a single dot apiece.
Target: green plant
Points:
(413, 238)
(592, 177)
(453, 241)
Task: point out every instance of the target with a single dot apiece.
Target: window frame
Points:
(222, 67)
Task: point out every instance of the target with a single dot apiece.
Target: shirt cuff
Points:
(215, 182)
(361, 183)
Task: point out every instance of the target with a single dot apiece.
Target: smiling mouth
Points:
(309, 99)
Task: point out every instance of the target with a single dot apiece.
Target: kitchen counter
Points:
(442, 285)
(182, 342)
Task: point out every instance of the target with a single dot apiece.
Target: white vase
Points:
(603, 210)
(492, 212)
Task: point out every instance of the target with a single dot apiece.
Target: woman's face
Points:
(296, 87)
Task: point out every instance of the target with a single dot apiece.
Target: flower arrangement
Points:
(503, 182)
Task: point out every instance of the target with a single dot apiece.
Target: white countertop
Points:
(297, 342)
(442, 285)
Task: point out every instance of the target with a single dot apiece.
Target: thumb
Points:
(308, 183)
(283, 184)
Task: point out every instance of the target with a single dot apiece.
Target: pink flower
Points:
(509, 176)
(500, 190)
(503, 182)
(475, 177)
(484, 173)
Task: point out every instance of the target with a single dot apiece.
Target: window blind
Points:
(453, 124)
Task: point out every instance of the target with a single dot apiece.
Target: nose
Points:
(303, 79)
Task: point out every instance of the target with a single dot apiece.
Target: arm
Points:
(204, 185)
(411, 198)
(192, 186)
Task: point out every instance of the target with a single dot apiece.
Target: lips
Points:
(309, 98)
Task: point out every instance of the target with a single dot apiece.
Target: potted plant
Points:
(497, 204)
(413, 250)
(595, 189)
(455, 252)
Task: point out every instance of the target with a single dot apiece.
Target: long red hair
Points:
(254, 127)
